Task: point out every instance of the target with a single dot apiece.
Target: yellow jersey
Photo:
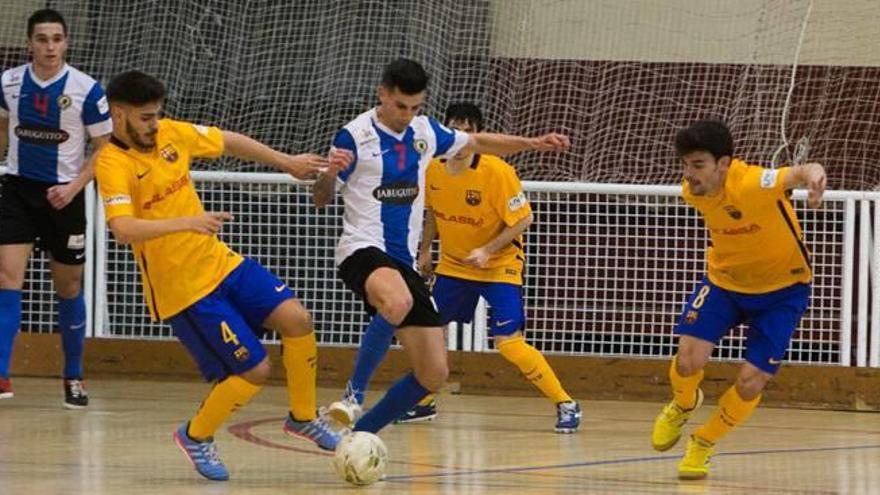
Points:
(757, 244)
(176, 269)
(471, 209)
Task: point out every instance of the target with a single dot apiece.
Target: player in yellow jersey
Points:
(477, 206)
(758, 273)
(216, 301)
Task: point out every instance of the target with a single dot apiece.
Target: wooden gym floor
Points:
(122, 445)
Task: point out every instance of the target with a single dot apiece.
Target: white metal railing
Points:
(610, 268)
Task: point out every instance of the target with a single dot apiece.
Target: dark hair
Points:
(406, 75)
(44, 16)
(135, 88)
(467, 112)
(711, 136)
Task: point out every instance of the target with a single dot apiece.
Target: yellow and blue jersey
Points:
(757, 243)
(470, 210)
(180, 268)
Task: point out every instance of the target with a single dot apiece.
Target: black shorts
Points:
(27, 217)
(355, 270)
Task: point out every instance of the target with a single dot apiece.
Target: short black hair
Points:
(467, 112)
(406, 75)
(44, 16)
(135, 88)
(711, 136)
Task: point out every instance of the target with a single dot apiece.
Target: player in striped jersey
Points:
(48, 110)
(758, 273)
(383, 194)
(477, 206)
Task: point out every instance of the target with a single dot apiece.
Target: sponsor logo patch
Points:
(43, 136)
(118, 199)
(76, 241)
(473, 197)
(397, 193)
(517, 202)
(64, 102)
(420, 145)
(690, 317)
(103, 106)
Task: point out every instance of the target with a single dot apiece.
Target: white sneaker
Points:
(345, 412)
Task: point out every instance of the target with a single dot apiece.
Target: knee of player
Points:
(396, 308)
(68, 290)
(687, 365)
(259, 374)
(302, 319)
(433, 377)
(749, 386)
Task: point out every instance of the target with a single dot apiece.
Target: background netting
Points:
(619, 77)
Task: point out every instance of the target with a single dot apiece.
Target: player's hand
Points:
(209, 223)
(815, 184)
(479, 257)
(338, 161)
(551, 142)
(61, 195)
(306, 166)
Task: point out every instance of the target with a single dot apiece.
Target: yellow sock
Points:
(533, 365)
(300, 356)
(427, 400)
(732, 410)
(684, 388)
(223, 400)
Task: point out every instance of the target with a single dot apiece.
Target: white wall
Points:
(839, 32)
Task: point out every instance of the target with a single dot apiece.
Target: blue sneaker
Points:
(568, 417)
(419, 413)
(202, 455)
(317, 431)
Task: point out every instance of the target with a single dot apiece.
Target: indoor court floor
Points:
(122, 445)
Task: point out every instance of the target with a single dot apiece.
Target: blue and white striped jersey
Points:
(383, 190)
(49, 122)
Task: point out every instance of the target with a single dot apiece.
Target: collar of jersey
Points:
(41, 83)
(382, 127)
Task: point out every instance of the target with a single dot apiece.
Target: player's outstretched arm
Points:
(128, 229)
(811, 176)
(305, 166)
(479, 257)
(324, 187)
(505, 144)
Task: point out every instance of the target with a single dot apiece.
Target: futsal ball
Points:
(361, 458)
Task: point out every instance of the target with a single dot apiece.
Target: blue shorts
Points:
(222, 330)
(771, 317)
(457, 299)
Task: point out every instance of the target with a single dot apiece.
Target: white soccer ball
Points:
(361, 458)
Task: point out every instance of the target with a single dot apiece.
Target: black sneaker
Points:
(419, 413)
(75, 395)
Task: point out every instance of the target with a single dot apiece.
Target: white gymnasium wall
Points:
(839, 32)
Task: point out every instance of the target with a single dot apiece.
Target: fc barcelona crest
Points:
(169, 153)
(473, 197)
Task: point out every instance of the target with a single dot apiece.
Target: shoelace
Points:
(210, 453)
(76, 388)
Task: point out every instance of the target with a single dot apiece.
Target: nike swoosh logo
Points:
(381, 153)
(279, 288)
(502, 323)
(141, 176)
(77, 327)
(774, 361)
(80, 256)
(433, 188)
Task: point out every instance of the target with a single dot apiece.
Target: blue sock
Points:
(404, 394)
(374, 345)
(10, 320)
(72, 320)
